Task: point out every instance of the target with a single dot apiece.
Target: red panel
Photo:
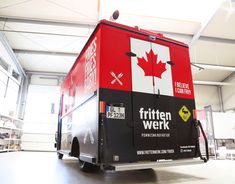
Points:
(181, 72)
(115, 65)
(83, 79)
(109, 53)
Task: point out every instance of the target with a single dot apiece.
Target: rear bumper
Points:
(157, 164)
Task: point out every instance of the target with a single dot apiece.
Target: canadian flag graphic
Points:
(150, 72)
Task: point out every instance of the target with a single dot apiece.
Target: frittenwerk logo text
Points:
(155, 119)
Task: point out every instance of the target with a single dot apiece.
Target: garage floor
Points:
(45, 168)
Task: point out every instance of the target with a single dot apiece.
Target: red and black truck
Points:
(128, 101)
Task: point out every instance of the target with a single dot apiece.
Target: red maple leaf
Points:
(153, 68)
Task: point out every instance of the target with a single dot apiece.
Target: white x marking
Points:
(116, 78)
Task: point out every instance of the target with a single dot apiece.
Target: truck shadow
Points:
(73, 173)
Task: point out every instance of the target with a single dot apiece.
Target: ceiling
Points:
(47, 35)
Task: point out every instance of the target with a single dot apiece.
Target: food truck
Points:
(128, 102)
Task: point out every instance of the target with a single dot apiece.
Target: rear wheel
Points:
(59, 155)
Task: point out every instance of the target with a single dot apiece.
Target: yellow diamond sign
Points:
(184, 113)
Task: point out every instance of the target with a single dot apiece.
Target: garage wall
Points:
(207, 95)
(228, 94)
(11, 77)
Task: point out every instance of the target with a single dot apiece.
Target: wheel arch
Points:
(75, 149)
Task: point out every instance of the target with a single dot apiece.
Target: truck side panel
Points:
(80, 102)
(85, 129)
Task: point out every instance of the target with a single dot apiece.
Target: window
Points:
(3, 64)
(3, 84)
(12, 95)
(16, 75)
(9, 88)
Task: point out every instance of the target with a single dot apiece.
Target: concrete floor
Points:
(45, 168)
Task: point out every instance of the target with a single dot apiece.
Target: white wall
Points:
(207, 95)
(228, 93)
(44, 80)
(224, 125)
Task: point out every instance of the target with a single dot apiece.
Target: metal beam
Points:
(23, 98)
(44, 52)
(218, 40)
(44, 33)
(204, 24)
(47, 22)
(41, 73)
(214, 67)
(212, 83)
(92, 25)
(202, 38)
(229, 77)
(221, 98)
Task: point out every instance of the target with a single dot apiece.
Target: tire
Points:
(87, 167)
(59, 155)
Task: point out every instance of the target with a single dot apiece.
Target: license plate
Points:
(115, 112)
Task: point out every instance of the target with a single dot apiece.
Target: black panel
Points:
(85, 127)
(118, 132)
(155, 126)
(152, 129)
(186, 130)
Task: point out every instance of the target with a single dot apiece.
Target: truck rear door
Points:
(153, 101)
